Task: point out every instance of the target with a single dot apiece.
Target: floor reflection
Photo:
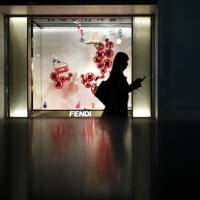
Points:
(77, 159)
(86, 155)
(140, 159)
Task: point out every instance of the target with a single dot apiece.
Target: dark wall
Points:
(179, 59)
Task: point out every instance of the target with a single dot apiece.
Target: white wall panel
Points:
(1, 66)
(142, 65)
(18, 66)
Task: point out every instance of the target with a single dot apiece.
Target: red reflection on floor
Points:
(61, 137)
(104, 158)
(97, 145)
(89, 130)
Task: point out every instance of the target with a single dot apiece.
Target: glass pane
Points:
(37, 71)
(63, 43)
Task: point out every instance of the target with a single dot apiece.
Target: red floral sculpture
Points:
(102, 59)
(55, 76)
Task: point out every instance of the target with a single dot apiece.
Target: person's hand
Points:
(137, 82)
(140, 79)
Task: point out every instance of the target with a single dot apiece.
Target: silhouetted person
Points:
(118, 88)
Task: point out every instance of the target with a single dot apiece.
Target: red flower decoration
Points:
(54, 76)
(90, 76)
(100, 55)
(87, 84)
(99, 46)
(109, 45)
(100, 65)
(107, 63)
(97, 60)
(109, 53)
(103, 70)
(63, 78)
(58, 84)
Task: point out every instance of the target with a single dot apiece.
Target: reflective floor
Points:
(95, 159)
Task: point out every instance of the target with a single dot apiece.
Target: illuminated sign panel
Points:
(80, 114)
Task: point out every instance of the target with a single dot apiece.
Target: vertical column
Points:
(1, 66)
(142, 65)
(18, 52)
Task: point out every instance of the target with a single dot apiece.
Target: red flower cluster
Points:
(103, 61)
(55, 76)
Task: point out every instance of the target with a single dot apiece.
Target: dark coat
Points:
(117, 95)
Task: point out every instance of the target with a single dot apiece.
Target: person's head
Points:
(120, 62)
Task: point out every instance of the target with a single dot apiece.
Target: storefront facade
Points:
(39, 40)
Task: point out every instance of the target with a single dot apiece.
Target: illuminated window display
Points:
(71, 56)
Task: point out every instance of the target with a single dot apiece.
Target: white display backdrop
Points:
(64, 42)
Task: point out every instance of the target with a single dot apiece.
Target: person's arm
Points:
(135, 84)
